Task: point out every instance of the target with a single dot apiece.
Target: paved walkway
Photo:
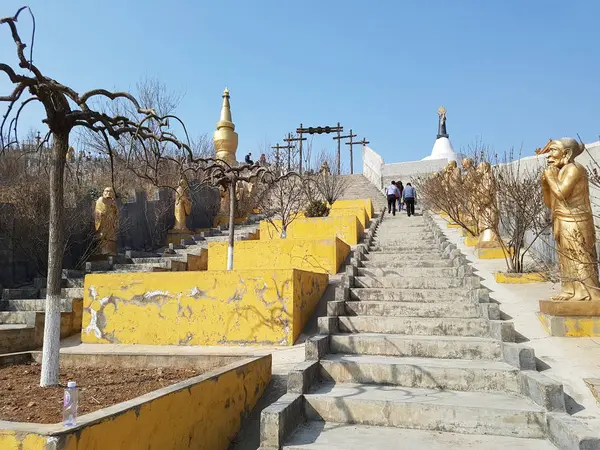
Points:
(566, 360)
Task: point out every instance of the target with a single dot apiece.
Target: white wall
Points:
(372, 166)
(406, 171)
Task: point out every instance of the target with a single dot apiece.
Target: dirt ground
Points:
(23, 400)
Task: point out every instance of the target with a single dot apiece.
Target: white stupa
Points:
(442, 148)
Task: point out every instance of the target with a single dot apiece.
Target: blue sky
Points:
(511, 72)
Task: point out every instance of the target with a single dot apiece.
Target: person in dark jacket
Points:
(410, 197)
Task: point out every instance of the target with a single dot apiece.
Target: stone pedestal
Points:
(570, 319)
(175, 236)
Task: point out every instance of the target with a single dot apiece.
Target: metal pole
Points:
(339, 150)
(300, 169)
(232, 200)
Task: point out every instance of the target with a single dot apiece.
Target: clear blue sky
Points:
(512, 72)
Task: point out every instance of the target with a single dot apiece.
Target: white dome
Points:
(442, 149)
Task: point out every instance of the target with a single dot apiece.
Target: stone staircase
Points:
(360, 187)
(412, 354)
(22, 312)
(174, 257)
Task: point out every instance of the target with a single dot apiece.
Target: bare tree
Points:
(283, 202)
(330, 185)
(65, 109)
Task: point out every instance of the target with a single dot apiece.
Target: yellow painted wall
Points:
(12, 440)
(347, 228)
(364, 202)
(202, 415)
(359, 211)
(323, 256)
(196, 308)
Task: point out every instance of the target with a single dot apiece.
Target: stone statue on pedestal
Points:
(106, 218)
(566, 192)
(325, 168)
(487, 207)
(183, 205)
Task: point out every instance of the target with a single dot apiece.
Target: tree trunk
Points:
(232, 201)
(51, 345)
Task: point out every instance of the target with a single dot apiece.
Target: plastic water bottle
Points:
(70, 404)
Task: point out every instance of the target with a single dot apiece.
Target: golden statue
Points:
(487, 207)
(106, 218)
(183, 205)
(452, 175)
(566, 192)
(325, 168)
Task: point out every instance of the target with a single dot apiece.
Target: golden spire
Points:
(226, 111)
(225, 138)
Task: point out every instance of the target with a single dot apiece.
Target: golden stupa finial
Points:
(441, 110)
(225, 138)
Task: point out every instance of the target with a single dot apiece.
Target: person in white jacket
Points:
(392, 194)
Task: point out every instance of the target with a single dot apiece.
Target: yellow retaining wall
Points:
(204, 412)
(347, 228)
(198, 308)
(360, 212)
(323, 256)
(364, 202)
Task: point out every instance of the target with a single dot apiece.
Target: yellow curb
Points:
(520, 278)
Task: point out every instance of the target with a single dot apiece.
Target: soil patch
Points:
(23, 400)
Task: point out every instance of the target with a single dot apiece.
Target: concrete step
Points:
(446, 374)
(444, 347)
(413, 309)
(139, 268)
(17, 317)
(318, 435)
(66, 305)
(73, 292)
(500, 414)
(408, 295)
(394, 262)
(25, 292)
(426, 248)
(73, 282)
(384, 272)
(378, 253)
(408, 282)
(415, 325)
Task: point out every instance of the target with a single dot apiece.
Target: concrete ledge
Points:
(336, 308)
(542, 390)
(518, 355)
(302, 377)
(481, 295)
(327, 325)
(279, 419)
(490, 311)
(502, 330)
(569, 433)
(342, 293)
(316, 347)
